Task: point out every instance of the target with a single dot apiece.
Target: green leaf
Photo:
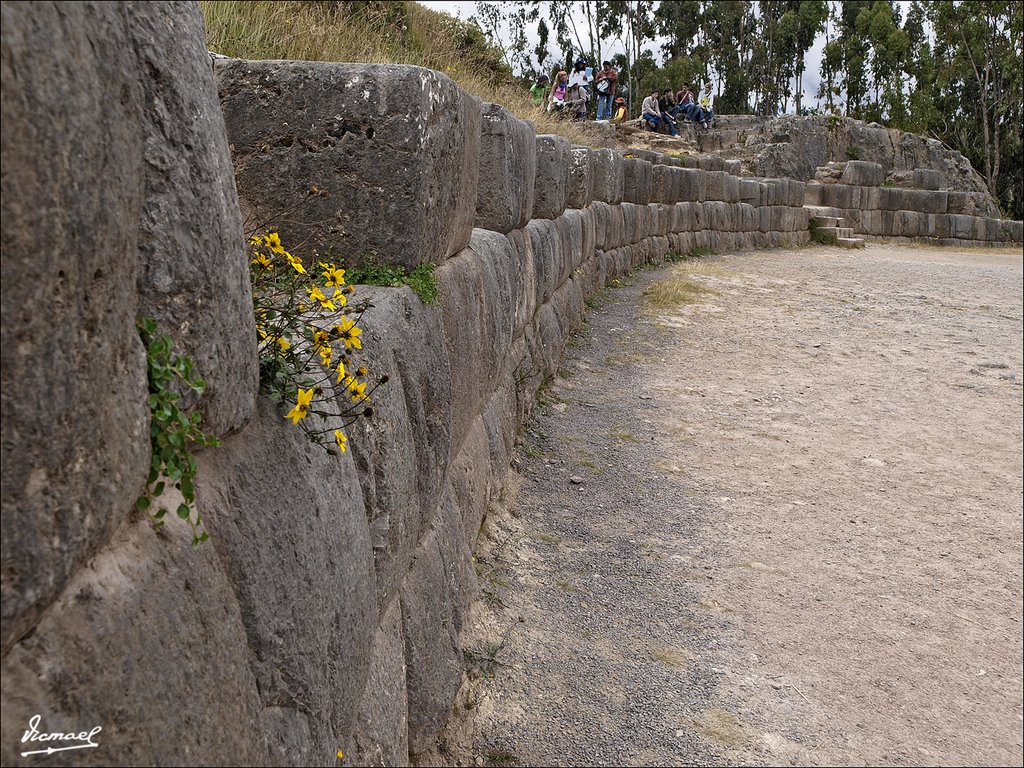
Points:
(183, 511)
(142, 503)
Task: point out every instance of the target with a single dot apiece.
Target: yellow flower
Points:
(339, 296)
(320, 338)
(262, 260)
(340, 439)
(325, 355)
(255, 241)
(317, 295)
(283, 343)
(298, 413)
(335, 278)
(273, 242)
(341, 371)
(349, 333)
(295, 261)
(357, 389)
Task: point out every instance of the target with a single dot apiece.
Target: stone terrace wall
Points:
(925, 215)
(325, 611)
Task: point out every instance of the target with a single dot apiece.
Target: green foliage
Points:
(421, 279)
(703, 250)
(853, 152)
(172, 431)
(820, 236)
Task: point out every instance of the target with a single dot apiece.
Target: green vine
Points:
(172, 431)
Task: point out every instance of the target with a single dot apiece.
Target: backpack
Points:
(603, 85)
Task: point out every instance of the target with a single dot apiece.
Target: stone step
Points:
(828, 221)
(850, 242)
(837, 231)
(818, 211)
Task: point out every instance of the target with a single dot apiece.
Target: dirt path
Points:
(771, 513)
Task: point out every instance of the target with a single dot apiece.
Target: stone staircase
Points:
(831, 221)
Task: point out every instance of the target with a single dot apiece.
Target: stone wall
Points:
(324, 612)
(943, 217)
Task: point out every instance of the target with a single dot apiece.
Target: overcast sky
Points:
(812, 77)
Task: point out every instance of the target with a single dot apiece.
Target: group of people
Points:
(664, 110)
(571, 92)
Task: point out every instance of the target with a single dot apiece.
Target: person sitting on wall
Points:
(605, 83)
(576, 99)
(667, 104)
(556, 99)
(621, 111)
(686, 104)
(707, 105)
(539, 91)
(651, 111)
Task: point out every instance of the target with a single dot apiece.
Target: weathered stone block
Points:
(525, 275)
(152, 605)
(862, 173)
(75, 450)
(433, 655)
(927, 178)
(292, 534)
(546, 245)
(194, 282)
(401, 455)
(924, 201)
(552, 185)
(608, 176)
(393, 150)
(382, 736)
(733, 167)
(637, 178)
(508, 167)
(722, 186)
(469, 476)
(581, 178)
(813, 193)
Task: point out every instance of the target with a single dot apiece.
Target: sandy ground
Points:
(771, 512)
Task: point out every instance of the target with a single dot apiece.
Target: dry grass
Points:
(389, 33)
(672, 292)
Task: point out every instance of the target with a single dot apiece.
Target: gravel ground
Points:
(769, 512)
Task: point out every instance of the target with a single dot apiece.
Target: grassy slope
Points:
(378, 33)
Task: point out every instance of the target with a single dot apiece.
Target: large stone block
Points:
(812, 193)
(581, 178)
(862, 173)
(290, 528)
(546, 246)
(525, 274)
(75, 426)
(151, 622)
(433, 655)
(907, 223)
(722, 186)
(382, 730)
(637, 177)
(469, 478)
(402, 453)
(508, 167)
(693, 185)
(924, 201)
(393, 151)
(927, 178)
(552, 185)
(193, 267)
(571, 225)
(608, 176)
